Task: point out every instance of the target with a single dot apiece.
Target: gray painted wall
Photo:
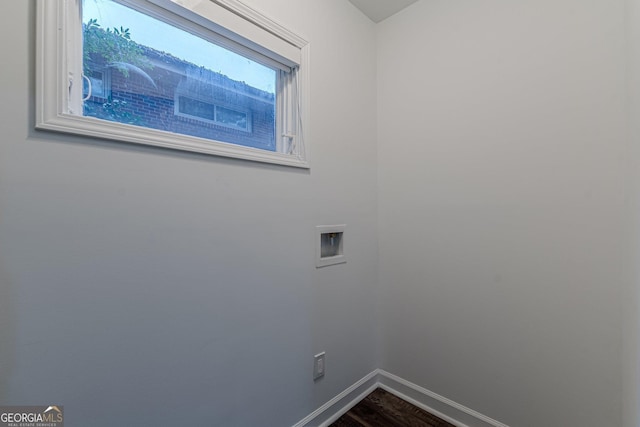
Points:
(631, 378)
(503, 162)
(141, 286)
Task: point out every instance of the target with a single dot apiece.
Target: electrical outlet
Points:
(318, 365)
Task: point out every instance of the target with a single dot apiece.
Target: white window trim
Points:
(55, 76)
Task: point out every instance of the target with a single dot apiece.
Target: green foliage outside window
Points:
(112, 48)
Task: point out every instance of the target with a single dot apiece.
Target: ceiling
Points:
(378, 10)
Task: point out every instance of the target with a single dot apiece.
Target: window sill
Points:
(89, 126)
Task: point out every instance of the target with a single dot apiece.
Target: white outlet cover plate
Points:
(319, 365)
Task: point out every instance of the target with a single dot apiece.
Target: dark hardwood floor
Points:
(383, 409)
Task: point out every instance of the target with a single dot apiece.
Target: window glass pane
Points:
(162, 77)
(231, 117)
(196, 108)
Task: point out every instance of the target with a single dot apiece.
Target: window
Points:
(208, 76)
(201, 110)
(96, 84)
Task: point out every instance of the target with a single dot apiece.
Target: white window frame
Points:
(59, 78)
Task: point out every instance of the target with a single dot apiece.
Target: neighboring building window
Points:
(164, 75)
(222, 116)
(96, 85)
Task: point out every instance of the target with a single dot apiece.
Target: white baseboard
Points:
(440, 406)
(453, 412)
(336, 407)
